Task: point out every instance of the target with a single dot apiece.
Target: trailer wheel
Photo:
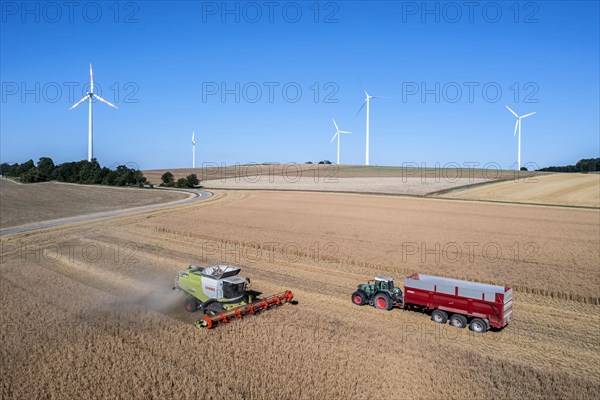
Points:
(191, 304)
(478, 325)
(458, 321)
(383, 302)
(439, 316)
(359, 298)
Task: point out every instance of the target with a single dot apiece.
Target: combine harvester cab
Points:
(223, 295)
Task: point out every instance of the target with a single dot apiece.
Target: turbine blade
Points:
(380, 97)
(345, 132)
(104, 101)
(361, 84)
(516, 126)
(334, 137)
(361, 107)
(336, 127)
(78, 103)
(527, 115)
(193, 139)
(91, 79)
(514, 113)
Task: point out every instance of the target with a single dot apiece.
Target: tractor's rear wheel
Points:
(439, 316)
(191, 304)
(359, 298)
(383, 301)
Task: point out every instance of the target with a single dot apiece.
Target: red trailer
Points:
(478, 305)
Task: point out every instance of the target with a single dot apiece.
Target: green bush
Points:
(167, 179)
(192, 180)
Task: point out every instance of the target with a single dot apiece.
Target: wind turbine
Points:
(337, 133)
(193, 150)
(368, 102)
(89, 96)
(518, 125)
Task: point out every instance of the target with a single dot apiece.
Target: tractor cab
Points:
(383, 283)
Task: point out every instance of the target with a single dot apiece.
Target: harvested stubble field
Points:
(320, 177)
(27, 203)
(386, 185)
(106, 324)
(581, 190)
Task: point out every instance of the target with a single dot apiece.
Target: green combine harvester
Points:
(222, 295)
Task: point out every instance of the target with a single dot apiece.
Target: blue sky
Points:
(165, 65)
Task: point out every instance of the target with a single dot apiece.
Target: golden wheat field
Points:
(88, 309)
(581, 190)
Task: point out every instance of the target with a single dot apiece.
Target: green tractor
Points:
(380, 293)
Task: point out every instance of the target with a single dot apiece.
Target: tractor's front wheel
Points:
(191, 304)
(383, 301)
(359, 298)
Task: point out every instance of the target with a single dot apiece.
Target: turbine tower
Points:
(193, 150)
(89, 97)
(367, 102)
(518, 125)
(337, 133)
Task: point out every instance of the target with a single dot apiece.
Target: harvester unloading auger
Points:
(223, 295)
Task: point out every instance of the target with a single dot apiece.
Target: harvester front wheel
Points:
(359, 298)
(383, 301)
(191, 304)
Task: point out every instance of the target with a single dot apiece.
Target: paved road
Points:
(198, 195)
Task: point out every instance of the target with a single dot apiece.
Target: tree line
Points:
(83, 172)
(584, 165)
